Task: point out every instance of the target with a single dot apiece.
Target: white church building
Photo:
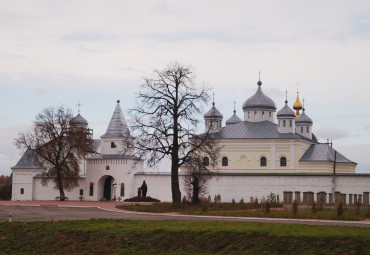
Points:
(263, 153)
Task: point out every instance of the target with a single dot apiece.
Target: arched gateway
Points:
(107, 188)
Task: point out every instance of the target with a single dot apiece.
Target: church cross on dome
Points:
(79, 107)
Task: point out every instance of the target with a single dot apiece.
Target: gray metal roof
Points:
(303, 118)
(323, 153)
(286, 111)
(79, 121)
(117, 126)
(96, 144)
(28, 160)
(112, 156)
(246, 129)
(233, 119)
(213, 113)
(259, 101)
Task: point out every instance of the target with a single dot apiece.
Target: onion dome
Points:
(259, 101)
(78, 121)
(286, 111)
(233, 119)
(303, 119)
(213, 113)
(297, 105)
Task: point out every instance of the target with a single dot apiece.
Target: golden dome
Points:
(297, 105)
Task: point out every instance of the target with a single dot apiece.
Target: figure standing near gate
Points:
(144, 189)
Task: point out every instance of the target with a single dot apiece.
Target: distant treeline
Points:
(5, 187)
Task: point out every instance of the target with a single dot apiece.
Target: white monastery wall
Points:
(48, 192)
(237, 187)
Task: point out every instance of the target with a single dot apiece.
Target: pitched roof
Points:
(28, 160)
(323, 153)
(258, 130)
(112, 156)
(117, 126)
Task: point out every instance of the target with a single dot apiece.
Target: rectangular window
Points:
(112, 145)
(284, 123)
(308, 129)
(290, 123)
(248, 115)
(302, 130)
(269, 114)
(81, 192)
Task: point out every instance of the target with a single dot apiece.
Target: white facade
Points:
(112, 172)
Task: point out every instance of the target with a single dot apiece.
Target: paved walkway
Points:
(70, 210)
(109, 206)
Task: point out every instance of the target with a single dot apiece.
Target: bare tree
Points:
(57, 146)
(166, 117)
(198, 172)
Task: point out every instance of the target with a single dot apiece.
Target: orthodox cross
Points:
(79, 107)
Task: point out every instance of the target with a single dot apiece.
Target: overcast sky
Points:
(61, 52)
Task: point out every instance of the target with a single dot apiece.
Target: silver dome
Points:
(303, 118)
(286, 111)
(213, 113)
(78, 121)
(259, 101)
(233, 119)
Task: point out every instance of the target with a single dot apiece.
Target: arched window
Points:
(263, 161)
(91, 189)
(107, 167)
(22, 191)
(308, 130)
(270, 115)
(122, 189)
(255, 114)
(283, 161)
(263, 115)
(225, 161)
(205, 161)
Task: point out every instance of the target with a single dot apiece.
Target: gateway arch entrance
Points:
(107, 187)
(107, 193)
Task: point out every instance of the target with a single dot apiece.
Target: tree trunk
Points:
(196, 199)
(175, 187)
(60, 186)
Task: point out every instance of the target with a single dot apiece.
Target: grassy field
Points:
(178, 237)
(249, 210)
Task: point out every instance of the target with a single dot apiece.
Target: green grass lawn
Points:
(178, 237)
(249, 210)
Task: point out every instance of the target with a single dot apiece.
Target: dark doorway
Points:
(108, 188)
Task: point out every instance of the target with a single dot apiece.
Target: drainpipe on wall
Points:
(335, 159)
